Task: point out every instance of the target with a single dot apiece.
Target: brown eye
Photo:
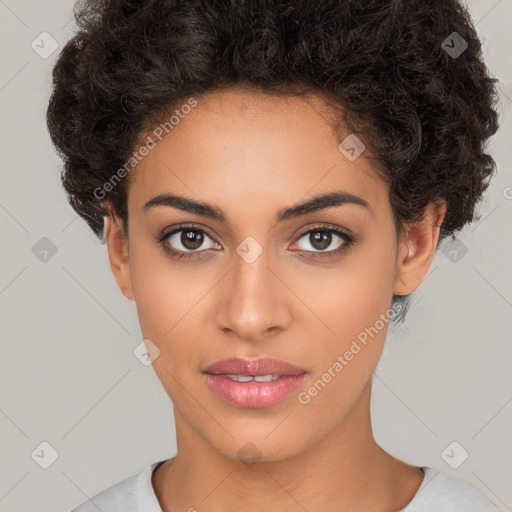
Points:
(187, 240)
(191, 239)
(320, 239)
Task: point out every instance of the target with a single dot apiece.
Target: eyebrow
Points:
(314, 204)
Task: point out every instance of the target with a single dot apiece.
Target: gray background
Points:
(68, 376)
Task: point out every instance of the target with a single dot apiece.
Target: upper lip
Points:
(261, 366)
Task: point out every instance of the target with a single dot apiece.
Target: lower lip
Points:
(253, 394)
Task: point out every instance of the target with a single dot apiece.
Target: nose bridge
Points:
(253, 303)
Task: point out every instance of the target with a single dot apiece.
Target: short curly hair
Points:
(424, 111)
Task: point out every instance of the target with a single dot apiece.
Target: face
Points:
(305, 287)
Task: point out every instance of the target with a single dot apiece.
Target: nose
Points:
(252, 302)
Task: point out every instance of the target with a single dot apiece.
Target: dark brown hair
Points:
(409, 75)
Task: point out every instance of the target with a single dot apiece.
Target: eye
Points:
(191, 242)
(320, 238)
(183, 240)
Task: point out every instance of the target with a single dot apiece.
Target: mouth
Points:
(253, 383)
(261, 367)
(252, 378)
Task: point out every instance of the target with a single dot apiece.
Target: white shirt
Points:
(438, 493)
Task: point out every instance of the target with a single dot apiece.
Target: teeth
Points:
(240, 378)
(266, 378)
(249, 378)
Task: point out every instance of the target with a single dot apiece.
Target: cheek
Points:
(168, 301)
(160, 293)
(351, 294)
(346, 354)
(351, 314)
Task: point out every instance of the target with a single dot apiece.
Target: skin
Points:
(252, 155)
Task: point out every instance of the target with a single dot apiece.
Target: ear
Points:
(117, 244)
(417, 248)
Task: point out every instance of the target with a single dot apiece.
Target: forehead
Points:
(238, 145)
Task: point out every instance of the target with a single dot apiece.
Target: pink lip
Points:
(261, 366)
(253, 394)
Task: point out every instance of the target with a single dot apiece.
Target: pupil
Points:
(322, 238)
(191, 239)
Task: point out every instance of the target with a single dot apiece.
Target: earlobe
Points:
(417, 248)
(117, 246)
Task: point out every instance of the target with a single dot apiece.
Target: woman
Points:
(272, 180)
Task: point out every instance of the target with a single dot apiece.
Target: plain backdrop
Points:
(68, 375)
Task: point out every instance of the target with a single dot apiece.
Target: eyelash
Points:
(348, 239)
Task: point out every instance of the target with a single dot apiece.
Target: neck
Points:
(346, 471)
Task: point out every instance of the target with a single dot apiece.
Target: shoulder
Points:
(444, 493)
(133, 494)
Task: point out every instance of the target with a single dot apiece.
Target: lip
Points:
(253, 394)
(261, 366)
